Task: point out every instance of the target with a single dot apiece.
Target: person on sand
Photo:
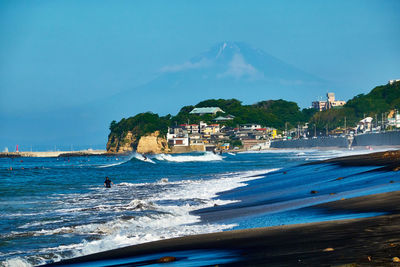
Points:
(108, 182)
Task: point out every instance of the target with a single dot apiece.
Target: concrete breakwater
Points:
(391, 138)
(51, 154)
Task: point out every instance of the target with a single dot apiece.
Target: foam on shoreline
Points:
(364, 241)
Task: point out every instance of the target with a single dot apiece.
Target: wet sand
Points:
(361, 242)
(373, 241)
(390, 160)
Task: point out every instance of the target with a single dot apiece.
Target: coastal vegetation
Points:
(279, 114)
(273, 113)
(382, 99)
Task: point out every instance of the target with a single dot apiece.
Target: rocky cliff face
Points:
(125, 144)
(151, 143)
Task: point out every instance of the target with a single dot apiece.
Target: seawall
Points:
(391, 138)
(312, 142)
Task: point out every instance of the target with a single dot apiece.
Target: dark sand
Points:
(390, 160)
(358, 242)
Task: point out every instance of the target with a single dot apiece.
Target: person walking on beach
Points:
(108, 182)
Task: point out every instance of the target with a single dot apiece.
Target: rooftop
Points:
(207, 110)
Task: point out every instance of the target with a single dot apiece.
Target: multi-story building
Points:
(330, 102)
(177, 136)
(208, 130)
(191, 128)
(250, 126)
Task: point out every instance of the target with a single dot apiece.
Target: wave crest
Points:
(188, 158)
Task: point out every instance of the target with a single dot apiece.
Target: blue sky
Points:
(65, 54)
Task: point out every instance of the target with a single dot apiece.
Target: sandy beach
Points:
(358, 242)
(371, 241)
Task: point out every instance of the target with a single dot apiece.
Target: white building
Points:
(330, 102)
(365, 125)
(177, 136)
(250, 127)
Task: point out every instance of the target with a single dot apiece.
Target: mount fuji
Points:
(226, 70)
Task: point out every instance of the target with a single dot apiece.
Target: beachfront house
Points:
(177, 136)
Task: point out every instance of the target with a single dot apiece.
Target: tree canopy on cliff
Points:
(381, 99)
(273, 113)
(141, 124)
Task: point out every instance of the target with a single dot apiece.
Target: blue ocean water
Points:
(58, 208)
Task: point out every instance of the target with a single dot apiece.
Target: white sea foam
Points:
(166, 213)
(143, 158)
(164, 221)
(33, 224)
(119, 163)
(16, 262)
(208, 156)
(137, 204)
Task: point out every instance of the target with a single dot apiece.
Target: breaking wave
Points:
(163, 212)
(208, 156)
(131, 156)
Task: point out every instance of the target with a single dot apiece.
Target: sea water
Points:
(58, 208)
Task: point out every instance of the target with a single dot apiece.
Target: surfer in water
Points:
(108, 182)
(144, 156)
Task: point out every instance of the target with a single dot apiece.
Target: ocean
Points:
(58, 208)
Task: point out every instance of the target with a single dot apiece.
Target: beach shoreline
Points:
(372, 241)
(100, 152)
(368, 241)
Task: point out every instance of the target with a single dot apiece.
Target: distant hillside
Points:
(381, 99)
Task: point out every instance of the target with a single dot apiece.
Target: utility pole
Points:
(298, 130)
(384, 120)
(286, 129)
(345, 126)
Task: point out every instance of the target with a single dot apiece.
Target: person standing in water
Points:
(108, 182)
